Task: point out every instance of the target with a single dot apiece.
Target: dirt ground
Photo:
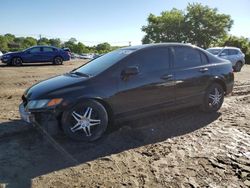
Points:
(186, 148)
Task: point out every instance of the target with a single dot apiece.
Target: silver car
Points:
(232, 54)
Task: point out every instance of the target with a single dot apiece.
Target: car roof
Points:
(44, 46)
(138, 47)
(226, 47)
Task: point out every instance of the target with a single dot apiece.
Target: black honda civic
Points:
(127, 83)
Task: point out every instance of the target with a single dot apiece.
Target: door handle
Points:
(167, 77)
(203, 70)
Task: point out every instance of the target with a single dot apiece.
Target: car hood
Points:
(55, 87)
(13, 53)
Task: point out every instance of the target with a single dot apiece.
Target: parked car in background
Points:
(234, 55)
(128, 82)
(1, 54)
(36, 54)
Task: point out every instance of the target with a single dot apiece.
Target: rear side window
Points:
(233, 52)
(187, 57)
(150, 60)
(47, 49)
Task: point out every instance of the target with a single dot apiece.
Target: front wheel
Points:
(86, 121)
(238, 67)
(58, 61)
(16, 61)
(214, 98)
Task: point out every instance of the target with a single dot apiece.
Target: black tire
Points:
(16, 61)
(238, 66)
(58, 61)
(76, 130)
(212, 103)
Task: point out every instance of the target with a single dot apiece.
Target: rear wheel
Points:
(16, 61)
(86, 121)
(238, 66)
(214, 98)
(58, 61)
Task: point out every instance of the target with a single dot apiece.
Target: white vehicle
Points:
(232, 54)
(1, 54)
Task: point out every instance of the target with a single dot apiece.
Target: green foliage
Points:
(103, 47)
(168, 27)
(11, 43)
(55, 42)
(199, 25)
(3, 44)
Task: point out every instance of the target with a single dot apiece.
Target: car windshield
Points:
(214, 51)
(100, 64)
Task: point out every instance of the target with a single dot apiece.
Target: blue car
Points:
(36, 54)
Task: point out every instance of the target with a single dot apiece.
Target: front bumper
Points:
(5, 60)
(26, 116)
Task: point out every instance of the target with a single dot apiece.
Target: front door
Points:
(151, 87)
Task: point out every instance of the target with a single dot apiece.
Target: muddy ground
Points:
(186, 148)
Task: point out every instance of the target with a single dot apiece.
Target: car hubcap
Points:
(215, 97)
(84, 122)
(58, 60)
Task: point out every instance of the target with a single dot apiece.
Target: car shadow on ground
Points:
(26, 156)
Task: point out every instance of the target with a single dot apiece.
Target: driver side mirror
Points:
(129, 71)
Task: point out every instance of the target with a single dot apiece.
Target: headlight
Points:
(6, 56)
(38, 104)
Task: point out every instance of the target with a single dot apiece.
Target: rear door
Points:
(48, 54)
(151, 87)
(191, 72)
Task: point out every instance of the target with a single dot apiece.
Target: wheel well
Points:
(222, 84)
(107, 107)
(58, 56)
(16, 57)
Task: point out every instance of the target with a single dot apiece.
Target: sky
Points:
(96, 21)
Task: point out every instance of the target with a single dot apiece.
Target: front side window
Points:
(150, 60)
(34, 50)
(186, 57)
(225, 52)
(102, 63)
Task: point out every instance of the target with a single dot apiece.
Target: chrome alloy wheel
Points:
(215, 97)
(84, 122)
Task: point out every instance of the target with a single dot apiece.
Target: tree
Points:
(73, 40)
(43, 41)
(205, 25)
(200, 25)
(9, 37)
(28, 42)
(168, 27)
(55, 42)
(3, 44)
(103, 47)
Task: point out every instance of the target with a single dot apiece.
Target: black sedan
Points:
(128, 82)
